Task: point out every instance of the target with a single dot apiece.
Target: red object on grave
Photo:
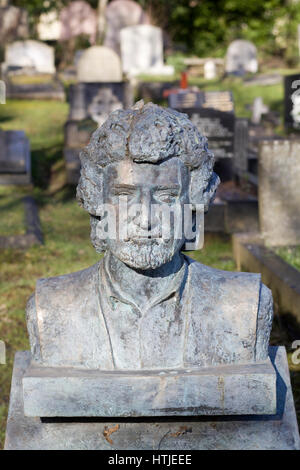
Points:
(183, 86)
(183, 81)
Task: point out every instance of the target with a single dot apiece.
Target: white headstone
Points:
(210, 70)
(30, 53)
(99, 64)
(258, 109)
(49, 27)
(120, 14)
(241, 57)
(142, 50)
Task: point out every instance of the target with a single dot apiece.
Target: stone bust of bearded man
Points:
(145, 305)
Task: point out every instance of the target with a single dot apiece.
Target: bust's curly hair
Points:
(151, 134)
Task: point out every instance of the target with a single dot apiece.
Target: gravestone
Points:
(210, 70)
(279, 192)
(119, 14)
(213, 114)
(292, 101)
(15, 159)
(30, 54)
(90, 105)
(76, 19)
(209, 67)
(29, 71)
(241, 58)
(131, 337)
(49, 26)
(241, 140)
(142, 51)
(258, 109)
(99, 64)
(13, 23)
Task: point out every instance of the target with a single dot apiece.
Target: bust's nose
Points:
(144, 220)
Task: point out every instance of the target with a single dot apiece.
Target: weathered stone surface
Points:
(99, 64)
(142, 50)
(276, 432)
(281, 277)
(119, 14)
(31, 54)
(279, 192)
(241, 57)
(78, 18)
(232, 390)
(190, 324)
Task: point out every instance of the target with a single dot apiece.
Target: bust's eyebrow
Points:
(163, 188)
(124, 186)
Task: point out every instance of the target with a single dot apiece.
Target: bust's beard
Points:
(144, 255)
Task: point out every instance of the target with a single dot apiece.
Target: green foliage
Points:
(206, 28)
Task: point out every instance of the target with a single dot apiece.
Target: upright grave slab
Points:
(213, 114)
(292, 102)
(15, 158)
(142, 51)
(241, 58)
(119, 14)
(147, 331)
(100, 91)
(279, 192)
(29, 71)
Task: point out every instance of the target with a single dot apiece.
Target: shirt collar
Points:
(112, 291)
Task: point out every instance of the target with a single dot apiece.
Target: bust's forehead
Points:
(168, 173)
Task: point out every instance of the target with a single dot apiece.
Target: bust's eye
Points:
(123, 192)
(167, 197)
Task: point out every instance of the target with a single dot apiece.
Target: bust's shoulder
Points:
(68, 282)
(57, 306)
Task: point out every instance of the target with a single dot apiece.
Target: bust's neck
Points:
(142, 286)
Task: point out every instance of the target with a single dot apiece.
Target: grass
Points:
(215, 253)
(66, 232)
(43, 123)
(290, 254)
(12, 214)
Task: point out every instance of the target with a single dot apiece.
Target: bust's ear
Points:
(203, 188)
(210, 190)
(90, 187)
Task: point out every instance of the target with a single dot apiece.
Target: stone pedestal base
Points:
(272, 432)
